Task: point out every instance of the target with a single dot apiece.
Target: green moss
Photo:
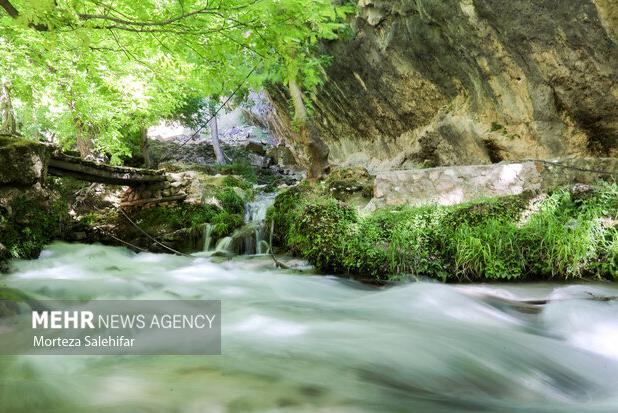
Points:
(238, 168)
(345, 183)
(286, 209)
(10, 142)
(321, 232)
(31, 222)
(225, 224)
(166, 219)
(568, 235)
(507, 208)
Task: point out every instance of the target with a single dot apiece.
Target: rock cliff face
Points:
(434, 82)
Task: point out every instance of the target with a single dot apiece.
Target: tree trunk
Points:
(8, 125)
(83, 140)
(308, 134)
(145, 147)
(216, 145)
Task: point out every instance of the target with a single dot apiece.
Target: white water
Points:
(249, 240)
(255, 214)
(298, 343)
(207, 236)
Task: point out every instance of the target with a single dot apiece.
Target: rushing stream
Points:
(301, 343)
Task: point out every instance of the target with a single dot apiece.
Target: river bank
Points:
(568, 233)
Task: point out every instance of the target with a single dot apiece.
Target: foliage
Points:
(286, 209)
(226, 216)
(568, 234)
(107, 69)
(192, 112)
(320, 232)
(235, 182)
(231, 201)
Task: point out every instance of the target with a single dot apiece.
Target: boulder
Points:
(259, 160)
(255, 147)
(345, 183)
(282, 156)
(24, 162)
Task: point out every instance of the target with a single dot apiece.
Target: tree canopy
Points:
(101, 70)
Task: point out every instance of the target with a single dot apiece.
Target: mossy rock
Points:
(285, 209)
(508, 208)
(346, 183)
(30, 219)
(24, 162)
(320, 233)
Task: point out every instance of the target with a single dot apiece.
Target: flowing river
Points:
(304, 343)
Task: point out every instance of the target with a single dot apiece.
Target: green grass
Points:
(566, 236)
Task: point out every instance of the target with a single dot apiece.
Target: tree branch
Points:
(125, 22)
(14, 13)
(9, 8)
(128, 24)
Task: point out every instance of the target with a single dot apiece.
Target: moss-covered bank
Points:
(569, 233)
(30, 219)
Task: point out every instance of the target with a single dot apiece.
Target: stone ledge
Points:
(457, 184)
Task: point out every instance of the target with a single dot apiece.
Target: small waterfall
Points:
(256, 230)
(207, 236)
(224, 246)
(251, 239)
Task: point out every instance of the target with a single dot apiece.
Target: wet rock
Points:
(79, 236)
(38, 216)
(5, 255)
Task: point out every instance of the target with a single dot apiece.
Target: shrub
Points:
(321, 234)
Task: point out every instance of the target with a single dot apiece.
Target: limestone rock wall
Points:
(435, 82)
(458, 184)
